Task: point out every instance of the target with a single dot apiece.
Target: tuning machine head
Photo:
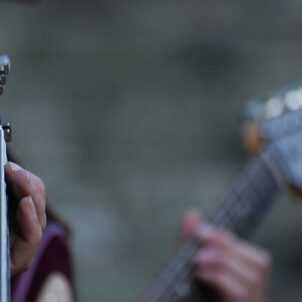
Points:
(4, 71)
(7, 132)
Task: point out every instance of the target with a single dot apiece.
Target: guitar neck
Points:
(247, 199)
(4, 231)
(245, 203)
(4, 241)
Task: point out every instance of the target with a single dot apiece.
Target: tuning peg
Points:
(293, 100)
(274, 107)
(2, 79)
(5, 65)
(7, 132)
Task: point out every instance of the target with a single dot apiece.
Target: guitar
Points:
(50, 277)
(278, 129)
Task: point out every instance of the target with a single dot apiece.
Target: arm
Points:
(28, 192)
(237, 269)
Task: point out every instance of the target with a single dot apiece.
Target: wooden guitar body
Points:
(50, 278)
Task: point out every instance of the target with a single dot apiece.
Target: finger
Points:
(226, 262)
(243, 254)
(252, 256)
(30, 181)
(24, 183)
(243, 251)
(210, 236)
(231, 289)
(191, 220)
(24, 246)
(40, 205)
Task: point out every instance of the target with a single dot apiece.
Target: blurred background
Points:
(129, 111)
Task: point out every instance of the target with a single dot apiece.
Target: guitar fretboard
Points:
(246, 201)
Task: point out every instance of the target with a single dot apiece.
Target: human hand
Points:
(27, 191)
(237, 269)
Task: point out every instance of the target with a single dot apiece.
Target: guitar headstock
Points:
(4, 71)
(272, 116)
(275, 123)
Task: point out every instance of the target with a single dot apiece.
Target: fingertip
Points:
(8, 170)
(19, 182)
(206, 257)
(193, 214)
(205, 231)
(14, 166)
(12, 171)
(190, 223)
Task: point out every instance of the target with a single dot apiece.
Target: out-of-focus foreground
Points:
(129, 112)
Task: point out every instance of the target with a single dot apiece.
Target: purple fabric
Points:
(52, 256)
